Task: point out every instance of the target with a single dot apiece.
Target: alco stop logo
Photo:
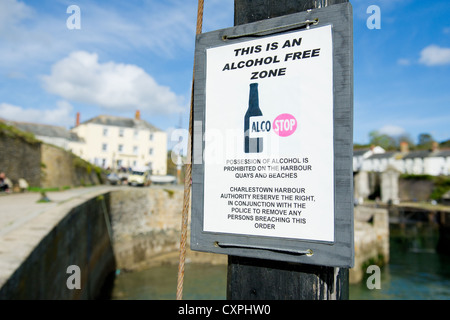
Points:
(284, 125)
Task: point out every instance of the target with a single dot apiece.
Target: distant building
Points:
(376, 174)
(55, 135)
(380, 162)
(118, 142)
(359, 155)
(433, 162)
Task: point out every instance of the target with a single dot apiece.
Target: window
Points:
(105, 132)
(120, 149)
(104, 147)
(151, 137)
(136, 134)
(120, 132)
(150, 151)
(135, 149)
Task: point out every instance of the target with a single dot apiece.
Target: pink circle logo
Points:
(284, 125)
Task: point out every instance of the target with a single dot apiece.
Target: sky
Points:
(138, 55)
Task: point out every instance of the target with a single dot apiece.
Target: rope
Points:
(187, 179)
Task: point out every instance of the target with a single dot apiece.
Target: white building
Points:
(433, 162)
(117, 142)
(380, 162)
(360, 155)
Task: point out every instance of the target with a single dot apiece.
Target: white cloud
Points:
(30, 34)
(12, 13)
(434, 55)
(392, 131)
(61, 115)
(80, 77)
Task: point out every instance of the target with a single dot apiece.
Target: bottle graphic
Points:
(252, 145)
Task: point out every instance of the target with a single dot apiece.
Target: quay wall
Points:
(44, 165)
(146, 226)
(130, 228)
(371, 230)
(75, 233)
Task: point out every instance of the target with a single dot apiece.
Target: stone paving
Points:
(24, 222)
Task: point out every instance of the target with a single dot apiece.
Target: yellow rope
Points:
(187, 179)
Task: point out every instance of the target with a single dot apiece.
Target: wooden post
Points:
(257, 279)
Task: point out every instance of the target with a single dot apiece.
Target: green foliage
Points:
(82, 164)
(441, 183)
(40, 190)
(13, 132)
(425, 141)
(407, 176)
(445, 144)
(441, 186)
(383, 140)
(169, 192)
(378, 260)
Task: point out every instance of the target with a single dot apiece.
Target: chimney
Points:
(434, 146)
(138, 115)
(77, 123)
(404, 147)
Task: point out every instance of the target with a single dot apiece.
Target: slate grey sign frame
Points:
(340, 253)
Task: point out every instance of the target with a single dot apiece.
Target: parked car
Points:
(139, 178)
(113, 179)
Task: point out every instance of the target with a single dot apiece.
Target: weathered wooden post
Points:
(272, 149)
(250, 278)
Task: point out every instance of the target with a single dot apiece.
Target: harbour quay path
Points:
(24, 221)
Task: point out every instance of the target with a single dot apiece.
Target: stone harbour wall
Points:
(371, 240)
(146, 226)
(74, 233)
(44, 165)
(62, 168)
(20, 159)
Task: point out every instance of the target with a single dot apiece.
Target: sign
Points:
(272, 148)
(264, 92)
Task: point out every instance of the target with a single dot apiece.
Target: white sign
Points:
(268, 157)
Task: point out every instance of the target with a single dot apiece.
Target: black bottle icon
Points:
(252, 145)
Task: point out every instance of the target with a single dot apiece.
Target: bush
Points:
(441, 186)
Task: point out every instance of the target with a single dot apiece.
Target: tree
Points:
(383, 140)
(425, 141)
(445, 144)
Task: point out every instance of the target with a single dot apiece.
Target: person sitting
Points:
(4, 182)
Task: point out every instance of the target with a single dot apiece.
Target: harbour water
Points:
(415, 271)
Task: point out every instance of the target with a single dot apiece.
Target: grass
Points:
(50, 189)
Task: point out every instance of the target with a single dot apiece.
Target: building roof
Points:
(441, 153)
(417, 154)
(107, 120)
(45, 130)
(385, 155)
(360, 152)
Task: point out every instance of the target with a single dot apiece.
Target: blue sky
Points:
(138, 55)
